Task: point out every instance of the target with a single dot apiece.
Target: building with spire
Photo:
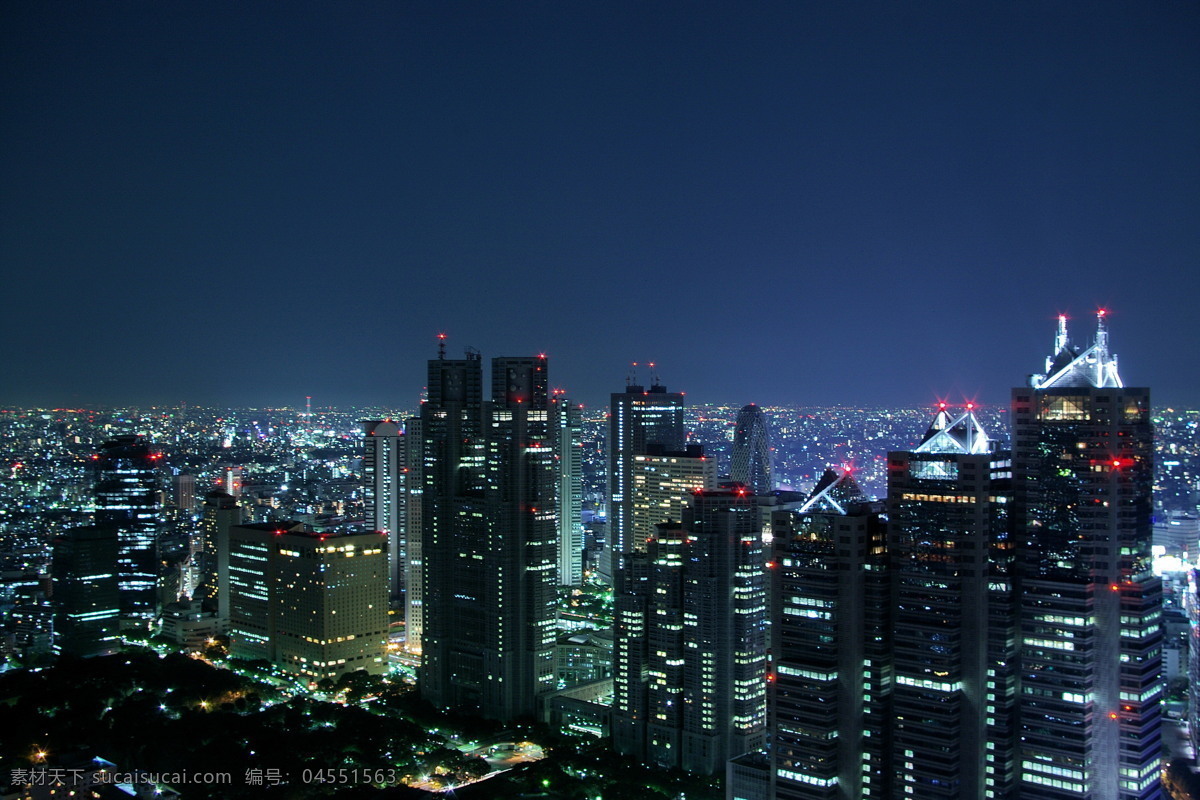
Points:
(752, 464)
(489, 539)
(828, 697)
(952, 613)
(1090, 607)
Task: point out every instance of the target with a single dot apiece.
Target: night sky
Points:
(805, 203)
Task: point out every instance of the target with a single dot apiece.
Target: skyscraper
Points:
(1091, 646)
(664, 484)
(220, 513)
(86, 597)
(314, 604)
(414, 566)
(752, 462)
(952, 614)
(127, 498)
(490, 537)
(640, 418)
(568, 453)
(830, 640)
(690, 649)
(383, 492)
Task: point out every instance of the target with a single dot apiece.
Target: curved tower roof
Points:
(752, 463)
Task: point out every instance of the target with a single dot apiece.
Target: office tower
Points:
(663, 485)
(568, 452)
(828, 696)
(690, 649)
(220, 513)
(953, 622)
(1091, 646)
(127, 498)
(232, 479)
(183, 492)
(639, 418)
(314, 604)
(752, 462)
(489, 537)
(85, 597)
(383, 492)
(414, 488)
(1191, 605)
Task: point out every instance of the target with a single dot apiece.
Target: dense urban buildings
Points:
(489, 537)
(1091, 608)
(992, 630)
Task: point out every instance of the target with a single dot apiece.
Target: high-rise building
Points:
(383, 493)
(952, 614)
(127, 499)
(183, 493)
(1090, 607)
(752, 462)
(830, 641)
(220, 513)
(568, 453)
(690, 638)
(85, 593)
(490, 537)
(663, 485)
(639, 419)
(314, 604)
(414, 488)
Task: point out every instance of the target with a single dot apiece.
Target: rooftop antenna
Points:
(1101, 331)
(631, 375)
(441, 337)
(1060, 338)
(654, 379)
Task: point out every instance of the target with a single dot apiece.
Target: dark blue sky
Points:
(861, 203)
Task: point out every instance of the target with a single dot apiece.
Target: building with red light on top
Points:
(1090, 607)
(313, 604)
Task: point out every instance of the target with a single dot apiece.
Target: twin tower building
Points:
(990, 630)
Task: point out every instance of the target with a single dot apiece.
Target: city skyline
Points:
(220, 194)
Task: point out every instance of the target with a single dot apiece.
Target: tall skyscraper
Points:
(640, 418)
(830, 640)
(127, 498)
(752, 462)
(313, 604)
(568, 453)
(414, 565)
(952, 614)
(1090, 607)
(690, 638)
(219, 513)
(383, 493)
(86, 596)
(490, 537)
